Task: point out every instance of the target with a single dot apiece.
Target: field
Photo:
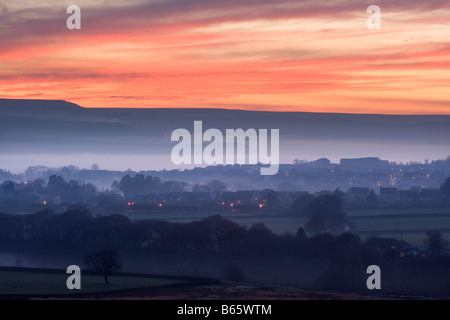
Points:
(50, 284)
(29, 282)
(409, 224)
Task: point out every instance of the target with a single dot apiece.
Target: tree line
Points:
(220, 247)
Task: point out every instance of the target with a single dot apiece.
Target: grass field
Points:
(29, 283)
(400, 211)
(404, 224)
(412, 223)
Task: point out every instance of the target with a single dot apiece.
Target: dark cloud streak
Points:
(35, 24)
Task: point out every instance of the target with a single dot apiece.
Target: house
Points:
(388, 195)
(245, 197)
(49, 200)
(383, 245)
(426, 252)
(286, 198)
(429, 196)
(357, 194)
(404, 197)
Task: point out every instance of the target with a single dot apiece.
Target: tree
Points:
(56, 184)
(104, 261)
(435, 242)
(300, 235)
(8, 189)
(301, 204)
(415, 194)
(217, 186)
(345, 270)
(340, 194)
(445, 190)
(330, 207)
(201, 188)
(372, 199)
(348, 239)
(316, 224)
(270, 196)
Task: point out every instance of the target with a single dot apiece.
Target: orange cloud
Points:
(281, 55)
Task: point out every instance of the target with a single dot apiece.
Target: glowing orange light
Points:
(160, 204)
(260, 205)
(45, 202)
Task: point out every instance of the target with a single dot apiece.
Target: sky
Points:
(284, 55)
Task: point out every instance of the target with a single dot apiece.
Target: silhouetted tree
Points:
(217, 186)
(445, 190)
(104, 262)
(415, 194)
(345, 271)
(321, 246)
(372, 199)
(139, 184)
(348, 239)
(330, 207)
(201, 188)
(340, 194)
(300, 235)
(56, 184)
(260, 242)
(302, 204)
(270, 196)
(435, 243)
(8, 189)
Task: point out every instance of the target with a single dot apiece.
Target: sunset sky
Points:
(283, 55)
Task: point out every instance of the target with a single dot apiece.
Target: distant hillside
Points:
(40, 126)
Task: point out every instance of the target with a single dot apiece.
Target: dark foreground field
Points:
(48, 284)
(24, 283)
(224, 291)
(38, 284)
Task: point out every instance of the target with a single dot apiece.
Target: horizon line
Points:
(230, 109)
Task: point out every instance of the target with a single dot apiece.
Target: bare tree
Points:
(104, 261)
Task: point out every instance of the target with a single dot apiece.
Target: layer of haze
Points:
(290, 150)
